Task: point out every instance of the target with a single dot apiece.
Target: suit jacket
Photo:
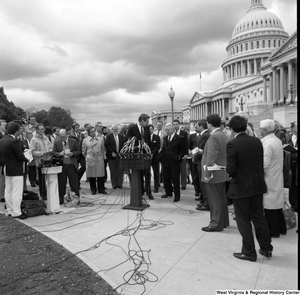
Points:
(110, 145)
(135, 131)
(1, 163)
(245, 166)
(215, 153)
(193, 139)
(185, 137)
(74, 148)
(155, 146)
(202, 139)
(173, 151)
(14, 161)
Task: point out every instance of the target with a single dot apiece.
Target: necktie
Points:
(117, 142)
(142, 131)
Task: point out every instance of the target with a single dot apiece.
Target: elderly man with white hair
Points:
(273, 199)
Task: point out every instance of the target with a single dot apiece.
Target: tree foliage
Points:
(8, 111)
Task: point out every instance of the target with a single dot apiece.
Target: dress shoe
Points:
(115, 187)
(156, 191)
(165, 196)
(197, 195)
(267, 254)
(150, 197)
(183, 188)
(32, 184)
(2, 200)
(209, 229)
(244, 257)
(198, 199)
(120, 186)
(93, 192)
(22, 216)
(176, 200)
(102, 192)
(202, 208)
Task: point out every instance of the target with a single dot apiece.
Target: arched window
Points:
(274, 43)
(269, 43)
(257, 44)
(252, 45)
(246, 46)
(263, 44)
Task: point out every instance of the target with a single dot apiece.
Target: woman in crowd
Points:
(94, 150)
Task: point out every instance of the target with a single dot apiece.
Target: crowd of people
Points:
(228, 163)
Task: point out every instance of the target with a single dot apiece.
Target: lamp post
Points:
(291, 91)
(172, 95)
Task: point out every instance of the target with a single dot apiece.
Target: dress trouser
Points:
(217, 200)
(247, 210)
(68, 171)
(100, 184)
(32, 173)
(81, 161)
(155, 168)
(171, 173)
(116, 173)
(42, 184)
(195, 177)
(183, 174)
(2, 184)
(14, 194)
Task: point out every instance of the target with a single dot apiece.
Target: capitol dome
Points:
(257, 19)
(254, 38)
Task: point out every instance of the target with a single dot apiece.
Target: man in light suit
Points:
(14, 167)
(184, 136)
(113, 144)
(171, 155)
(245, 166)
(68, 149)
(215, 153)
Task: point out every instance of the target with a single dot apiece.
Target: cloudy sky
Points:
(110, 60)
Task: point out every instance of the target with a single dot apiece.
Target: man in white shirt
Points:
(2, 177)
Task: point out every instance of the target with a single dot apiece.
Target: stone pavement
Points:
(162, 250)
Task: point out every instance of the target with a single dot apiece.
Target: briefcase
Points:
(33, 208)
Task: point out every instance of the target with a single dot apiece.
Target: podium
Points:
(52, 187)
(136, 163)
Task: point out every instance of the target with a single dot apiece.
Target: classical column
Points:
(231, 71)
(248, 67)
(274, 98)
(206, 111)
(255, 66)
(223, 108)
(290, 77)
(270, 97)
(281, 85)
(265, 88)
(229, 105)
(243, 69)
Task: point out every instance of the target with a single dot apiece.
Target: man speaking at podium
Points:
(141, 132)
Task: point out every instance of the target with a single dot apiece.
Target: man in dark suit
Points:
(2, 177)
(245, 167)
(171, 155)
(113, 144)
(76, 134)
(14, 167)
(215, 153)
(141, 132)
(184, 136)
(292, 140)
(68, 149)
(204, 134)
(155, 147)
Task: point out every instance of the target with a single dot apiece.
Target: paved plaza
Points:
(162, 250)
